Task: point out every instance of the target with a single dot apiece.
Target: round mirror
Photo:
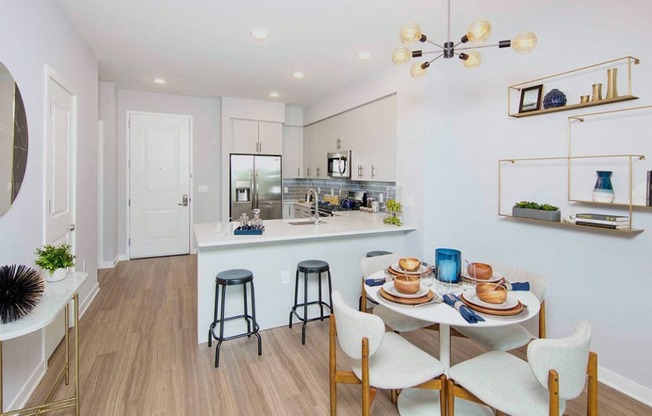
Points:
(13, 140)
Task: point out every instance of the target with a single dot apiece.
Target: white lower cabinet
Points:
(301, 212)
(288, 211)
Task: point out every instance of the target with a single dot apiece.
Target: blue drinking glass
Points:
(449, 265)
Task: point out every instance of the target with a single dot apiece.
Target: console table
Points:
(56, 297)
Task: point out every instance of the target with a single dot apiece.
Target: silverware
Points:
(430, 302)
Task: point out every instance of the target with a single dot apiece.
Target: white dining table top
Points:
(55, 297)
(446, 315)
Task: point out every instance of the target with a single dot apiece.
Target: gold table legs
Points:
(64, 374)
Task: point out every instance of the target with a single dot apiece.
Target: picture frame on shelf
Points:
(531, 98)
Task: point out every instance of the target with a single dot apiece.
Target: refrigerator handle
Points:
(256, 197)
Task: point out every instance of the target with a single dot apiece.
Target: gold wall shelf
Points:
(516, 89)
(626, 231)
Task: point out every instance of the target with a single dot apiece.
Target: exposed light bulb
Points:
(473, 59)
(401, 55)
(410, 32)
(479, 30)
(417, 70)
(524, 42)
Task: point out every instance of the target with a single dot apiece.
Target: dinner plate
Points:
(396, 268)
(494, 278)
(473, 298)
(389, 288)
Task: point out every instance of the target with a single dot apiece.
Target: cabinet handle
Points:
(373, 172)
(298, 172)
(308, 172)
(317, 172)
(360, 171)
(339, 143)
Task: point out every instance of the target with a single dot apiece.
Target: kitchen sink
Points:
(304, 222)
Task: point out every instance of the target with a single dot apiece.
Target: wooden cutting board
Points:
(407, 301)
(498, 312)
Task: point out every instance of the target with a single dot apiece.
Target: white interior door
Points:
(59, 184)
(159, 185)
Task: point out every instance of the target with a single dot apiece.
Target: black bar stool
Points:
(226, 278)
(372, 254)
(307, 267)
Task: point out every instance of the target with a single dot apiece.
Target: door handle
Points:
(72, 227)
(184, 200)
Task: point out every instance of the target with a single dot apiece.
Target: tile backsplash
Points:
(297, 188)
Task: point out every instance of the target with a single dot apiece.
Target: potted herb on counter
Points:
(55, 260)
(534, 211)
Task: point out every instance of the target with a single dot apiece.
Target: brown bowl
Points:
(409, 264)
(491, 292)
(480, 271)
(407, 284)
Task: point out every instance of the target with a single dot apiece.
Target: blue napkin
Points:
(375, 282)
(469, 315)
(518, 286)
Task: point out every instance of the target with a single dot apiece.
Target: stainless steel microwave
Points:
(339, 164)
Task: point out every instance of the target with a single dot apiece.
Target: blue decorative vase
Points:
(449, 265)
(554, 98)
(603, 191)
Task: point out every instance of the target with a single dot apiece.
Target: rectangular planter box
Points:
(537, 214)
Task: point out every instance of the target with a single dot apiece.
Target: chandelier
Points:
(478, 31)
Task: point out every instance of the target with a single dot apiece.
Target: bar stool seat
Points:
(233, 277)
(306, 268)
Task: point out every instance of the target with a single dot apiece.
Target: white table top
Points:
(55, 298)
(444, 314)
(344, 224)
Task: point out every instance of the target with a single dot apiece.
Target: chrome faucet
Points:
(314, 218)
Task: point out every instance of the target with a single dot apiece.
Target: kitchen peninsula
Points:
(272, 257)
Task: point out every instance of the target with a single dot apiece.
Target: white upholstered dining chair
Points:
(508, 337)
(396, 321)
(379, 359)
(556, 370)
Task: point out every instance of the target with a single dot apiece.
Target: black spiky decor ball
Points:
(21, 289)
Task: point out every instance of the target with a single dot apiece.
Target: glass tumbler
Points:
(449, 266)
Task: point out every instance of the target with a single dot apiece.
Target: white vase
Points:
(57, 275)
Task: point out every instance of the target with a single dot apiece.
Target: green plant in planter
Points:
(534, 205)
(393, 207)
(51, 258)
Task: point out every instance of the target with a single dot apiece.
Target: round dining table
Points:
(416, 402)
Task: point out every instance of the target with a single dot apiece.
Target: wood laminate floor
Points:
(139, 356)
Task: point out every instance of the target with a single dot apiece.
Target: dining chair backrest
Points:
(370, 265)
(568, 356)
(513, 274)
(353, 325)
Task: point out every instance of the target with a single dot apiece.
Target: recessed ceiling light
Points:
(298, 74)
(274, 94)
(158, 81)
(363, 56)
(260, 34)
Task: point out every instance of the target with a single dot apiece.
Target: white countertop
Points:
(345, 223)
(55, 298)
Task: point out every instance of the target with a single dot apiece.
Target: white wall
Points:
(452, 124)
(108, 106)
(206, 141)
(37, 33)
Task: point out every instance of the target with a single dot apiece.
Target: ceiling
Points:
(204, 48)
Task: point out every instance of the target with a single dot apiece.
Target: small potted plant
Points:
(394, 208)
(532, 210)
(54, 260)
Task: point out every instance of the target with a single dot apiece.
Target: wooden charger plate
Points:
(407, 301)
(397, 273)
(498, 312)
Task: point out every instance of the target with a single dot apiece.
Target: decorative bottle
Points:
(612, 88)
(257, 222)
(603, 191)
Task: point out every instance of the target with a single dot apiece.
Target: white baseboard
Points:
(625, 386)
(106, 265)
(89, 299)
(123, 257)
(28, 388)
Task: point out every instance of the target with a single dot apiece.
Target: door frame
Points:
(128, 173)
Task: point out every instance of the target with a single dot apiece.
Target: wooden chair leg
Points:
(366, 399)
(332, 366)
(542, 320)
(393, 395)
(592, 371)
(553, 389)
(450, 398)
(442, 395)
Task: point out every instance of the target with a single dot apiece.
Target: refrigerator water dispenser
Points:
(243, 191)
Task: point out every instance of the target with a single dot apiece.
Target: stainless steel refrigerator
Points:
(256, 183)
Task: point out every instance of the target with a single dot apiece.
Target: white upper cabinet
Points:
(293, 152)
(260, 137)
(308, 133)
